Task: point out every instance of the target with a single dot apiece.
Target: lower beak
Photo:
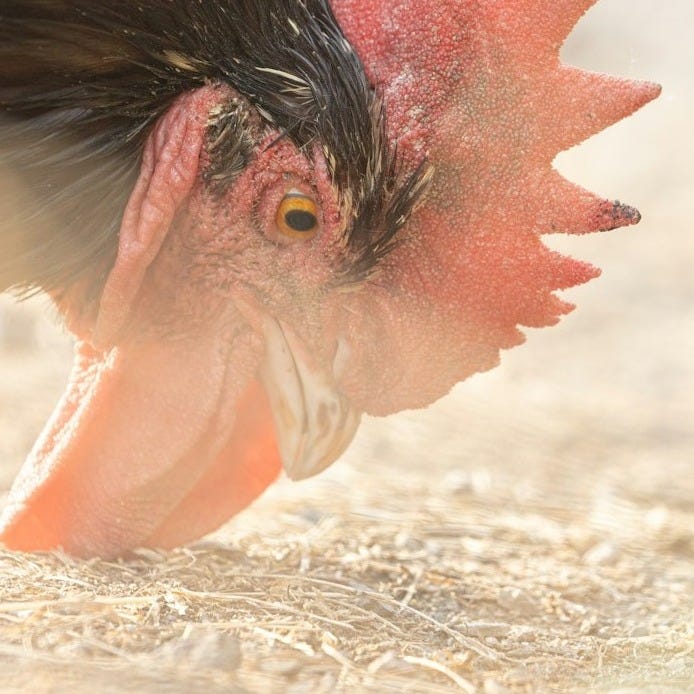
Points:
(314, 421)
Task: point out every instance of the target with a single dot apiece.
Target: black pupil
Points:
(300, 220)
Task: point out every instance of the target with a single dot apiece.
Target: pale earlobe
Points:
(170, 167)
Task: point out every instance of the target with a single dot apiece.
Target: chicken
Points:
(262, 220)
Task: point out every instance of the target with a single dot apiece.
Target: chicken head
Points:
(262, 220)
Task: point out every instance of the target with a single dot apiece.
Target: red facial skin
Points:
(165, 432)
(478, 87)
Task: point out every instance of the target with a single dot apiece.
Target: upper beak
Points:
(314, 421)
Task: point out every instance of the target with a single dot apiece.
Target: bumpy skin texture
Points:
(491, 117)
(164, 432)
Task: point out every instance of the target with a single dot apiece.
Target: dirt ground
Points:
(533, 531)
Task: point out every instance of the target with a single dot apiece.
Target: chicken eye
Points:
(297, 216)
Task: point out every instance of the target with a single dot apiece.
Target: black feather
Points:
(82, 81)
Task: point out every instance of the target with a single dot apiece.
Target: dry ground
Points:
(534, 531)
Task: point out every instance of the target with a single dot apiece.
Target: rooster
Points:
(262, 220)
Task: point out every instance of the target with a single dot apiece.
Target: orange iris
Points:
(297, 216)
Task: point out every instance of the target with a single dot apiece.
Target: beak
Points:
(314, 421)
